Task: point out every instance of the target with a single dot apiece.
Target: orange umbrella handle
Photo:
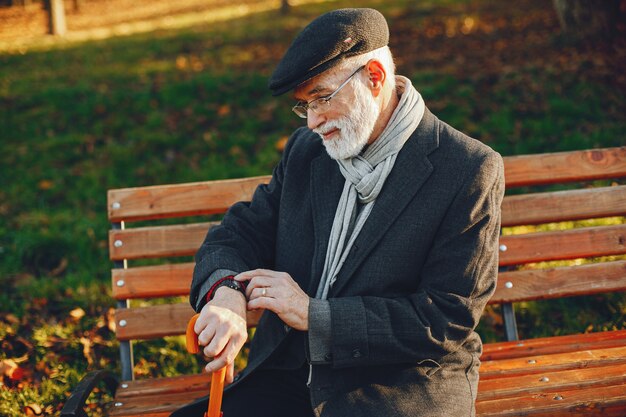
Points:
(217, 390)
(217, 378)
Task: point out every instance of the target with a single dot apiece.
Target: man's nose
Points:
(314, 120)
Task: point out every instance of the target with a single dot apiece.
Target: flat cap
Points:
(326, 41)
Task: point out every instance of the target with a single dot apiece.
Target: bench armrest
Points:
(74, 407)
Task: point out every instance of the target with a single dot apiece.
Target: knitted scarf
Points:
(365, 176)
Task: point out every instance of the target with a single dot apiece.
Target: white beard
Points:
(355, 128)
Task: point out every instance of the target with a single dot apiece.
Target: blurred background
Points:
(101, 94)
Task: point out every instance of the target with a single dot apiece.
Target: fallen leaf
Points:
(54, 341)
(18, 374)
(7, 366)
(33, 410)
(45, 184)
(224, 110)
(43, 368)
(28, 345)
(181, 62)
(11, 318)
(40, 302)
(87, 353)
(60, 268)
(280, 143)
(11, 370)
(111, 319)
(77, 313)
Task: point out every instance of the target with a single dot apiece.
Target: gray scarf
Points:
(365, 176)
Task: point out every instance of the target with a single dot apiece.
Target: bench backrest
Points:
(521, 248)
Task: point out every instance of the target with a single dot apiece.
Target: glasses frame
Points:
(321, 104)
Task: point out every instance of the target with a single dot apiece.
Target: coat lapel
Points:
(326, 187)
(410, 171)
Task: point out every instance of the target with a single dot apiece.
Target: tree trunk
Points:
(285, 6)
(588, 18)
(56, 17)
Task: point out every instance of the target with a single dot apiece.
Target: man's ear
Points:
(377, 76)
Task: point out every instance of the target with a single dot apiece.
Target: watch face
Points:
(234, 285)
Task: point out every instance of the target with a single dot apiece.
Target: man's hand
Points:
(278, 292)
(222, 330)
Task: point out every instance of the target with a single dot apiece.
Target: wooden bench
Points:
(583, 374)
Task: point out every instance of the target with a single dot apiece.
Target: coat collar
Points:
(410, 171)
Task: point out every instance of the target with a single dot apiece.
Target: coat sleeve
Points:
(246, 237)
(458, 278)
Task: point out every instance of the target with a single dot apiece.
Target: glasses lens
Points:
(299, 110)
(320, 105)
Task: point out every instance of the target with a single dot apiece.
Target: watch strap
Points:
(227, 281)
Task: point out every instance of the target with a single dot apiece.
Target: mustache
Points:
(329, 126)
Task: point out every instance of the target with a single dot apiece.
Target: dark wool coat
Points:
(411, 292)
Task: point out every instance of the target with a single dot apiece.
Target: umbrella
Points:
(217, 378)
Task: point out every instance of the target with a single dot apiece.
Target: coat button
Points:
(356, 354)
(287, 328)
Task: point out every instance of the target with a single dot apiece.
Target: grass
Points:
(191, 104)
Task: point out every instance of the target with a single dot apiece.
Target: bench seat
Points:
(568, 371)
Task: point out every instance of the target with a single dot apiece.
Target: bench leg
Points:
(510, 325)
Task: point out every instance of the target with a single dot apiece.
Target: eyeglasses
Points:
(322, 104)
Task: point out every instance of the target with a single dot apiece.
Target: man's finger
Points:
(226, 357)
(257, 282)
(206, 335)
(264, 303)
(248, 275)
(215, 364)
(217, 344)
(230, 373)
(263, 292)
(201, 323)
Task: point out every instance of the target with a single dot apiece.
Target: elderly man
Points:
(372, 252)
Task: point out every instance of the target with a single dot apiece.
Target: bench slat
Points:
(542, 284)
(536, 284)
(154, 202)
(152, 281)
(488, 389)
(149, 406)
(166, 385)
(551, 168)
(563, 244)
(184, 240)
(152, 322)
(561, 206)
(157, 241)
(160, 320)
(588, 402)
(556, 362)
(561, 380)
(209, 197)
(553, 344)
(602, 401)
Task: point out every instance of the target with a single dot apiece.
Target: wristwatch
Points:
(228, 281)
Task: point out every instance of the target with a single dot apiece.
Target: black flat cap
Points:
(325, 42)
